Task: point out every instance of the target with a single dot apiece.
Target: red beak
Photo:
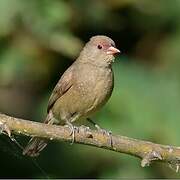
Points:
(112, 50)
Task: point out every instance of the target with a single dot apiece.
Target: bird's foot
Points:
(72, 128)
(86, 131)
(105, 132)
(84, 128)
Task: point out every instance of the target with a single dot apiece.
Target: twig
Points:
(145, 150)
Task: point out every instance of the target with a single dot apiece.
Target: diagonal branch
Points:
(145, 150)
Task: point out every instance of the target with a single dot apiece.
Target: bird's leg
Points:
(70, 125)
(72, 128)
(98, 127)
(109, 133)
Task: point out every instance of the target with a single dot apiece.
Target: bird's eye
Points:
(99, 46)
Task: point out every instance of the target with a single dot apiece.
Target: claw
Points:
(105, 132)
(86, 131)
(72, 128)
(84, 128)
(109, 133)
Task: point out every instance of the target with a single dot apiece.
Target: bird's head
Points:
(100, 50)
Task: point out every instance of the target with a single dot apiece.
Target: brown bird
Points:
(84, 88)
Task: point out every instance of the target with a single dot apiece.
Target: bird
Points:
(82, 90)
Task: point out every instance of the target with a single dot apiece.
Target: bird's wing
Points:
(63, 85)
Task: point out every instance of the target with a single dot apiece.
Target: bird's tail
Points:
(36, 145)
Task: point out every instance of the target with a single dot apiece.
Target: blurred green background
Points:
(39, 39)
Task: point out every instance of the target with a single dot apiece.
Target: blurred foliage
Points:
(40, 39)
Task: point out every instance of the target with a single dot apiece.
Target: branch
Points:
(145, 150)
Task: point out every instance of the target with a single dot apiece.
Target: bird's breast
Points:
(95, 85)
